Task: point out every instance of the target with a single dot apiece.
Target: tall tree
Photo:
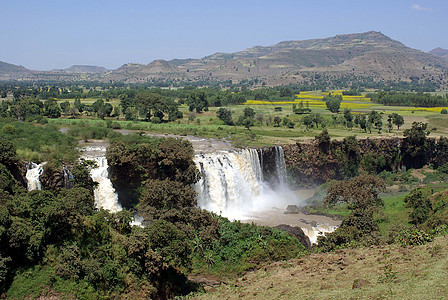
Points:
(148, 103)
(333, 103)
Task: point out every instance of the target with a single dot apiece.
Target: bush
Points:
(444, 111)
(115, 125)
(413, 237)
(156, 120)
(443, 168)
(389, 177)
(8, 129)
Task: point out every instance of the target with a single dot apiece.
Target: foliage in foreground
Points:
(56, 241)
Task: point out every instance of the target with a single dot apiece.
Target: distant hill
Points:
(159, 66)
(439, 52)
(367, 54)
(84, 69)
(138, 72)
(371, 55)
(10, 71)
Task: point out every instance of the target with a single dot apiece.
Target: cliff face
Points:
(52, 177)
(313, 163)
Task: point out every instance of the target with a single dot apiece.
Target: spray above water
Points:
(232, 184)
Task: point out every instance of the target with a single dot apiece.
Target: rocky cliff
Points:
(313, 163)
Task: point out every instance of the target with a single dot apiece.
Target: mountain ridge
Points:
(369, 54)
(83, 69)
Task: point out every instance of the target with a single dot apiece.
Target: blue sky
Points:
(47, 34)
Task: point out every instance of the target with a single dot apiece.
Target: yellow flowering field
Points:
(352, 105)
(314, 99)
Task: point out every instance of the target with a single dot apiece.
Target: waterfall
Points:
(314, 232)
(68, 178)
(232, 184)
(105, 195)
(251, 156)
(228, 183)
(32, 176)
(280, 165)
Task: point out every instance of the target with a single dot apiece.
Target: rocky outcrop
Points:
(56, 177)
(296, 232)
(312, 163)
(52, 177)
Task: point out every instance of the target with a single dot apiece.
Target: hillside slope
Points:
(391, 271)
(84, 69)
(10, 71)
(439, 52)
(366, 54)
(371, 55)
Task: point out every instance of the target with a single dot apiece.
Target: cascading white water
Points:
(105, 195)
(32, 176)
(228, 183)
(314, 232)
(280, 164)
(232, 185)
(251, 156)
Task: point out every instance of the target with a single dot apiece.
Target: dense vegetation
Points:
(56, 239)
(409, 99)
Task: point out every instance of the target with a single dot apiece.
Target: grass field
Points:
(385, 272)
(263, 132)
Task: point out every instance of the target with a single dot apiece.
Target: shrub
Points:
(115, 125)
(8, 129)
(413, 237)
(444, 111)
(388, 177)
(156, 120)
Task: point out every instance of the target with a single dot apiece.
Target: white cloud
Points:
(418, 7)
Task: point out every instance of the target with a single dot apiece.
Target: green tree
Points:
(225, 115)
(317, 119)
(361, 195)
(148, 103)
(397, 120)
(249, 112)
(285, 92)
(390, 122)
(277, 121)
(108, 109)
(323, 140)
(197, 100)
(8, 155)
(77, 104)
(65, 107)
(169, 242)
(420, 205)
(415, 145)
(333, 103)
(248, 122)
(307, 121)
(375, 120)
(52, 109)
(348, 116)
(165, 194)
